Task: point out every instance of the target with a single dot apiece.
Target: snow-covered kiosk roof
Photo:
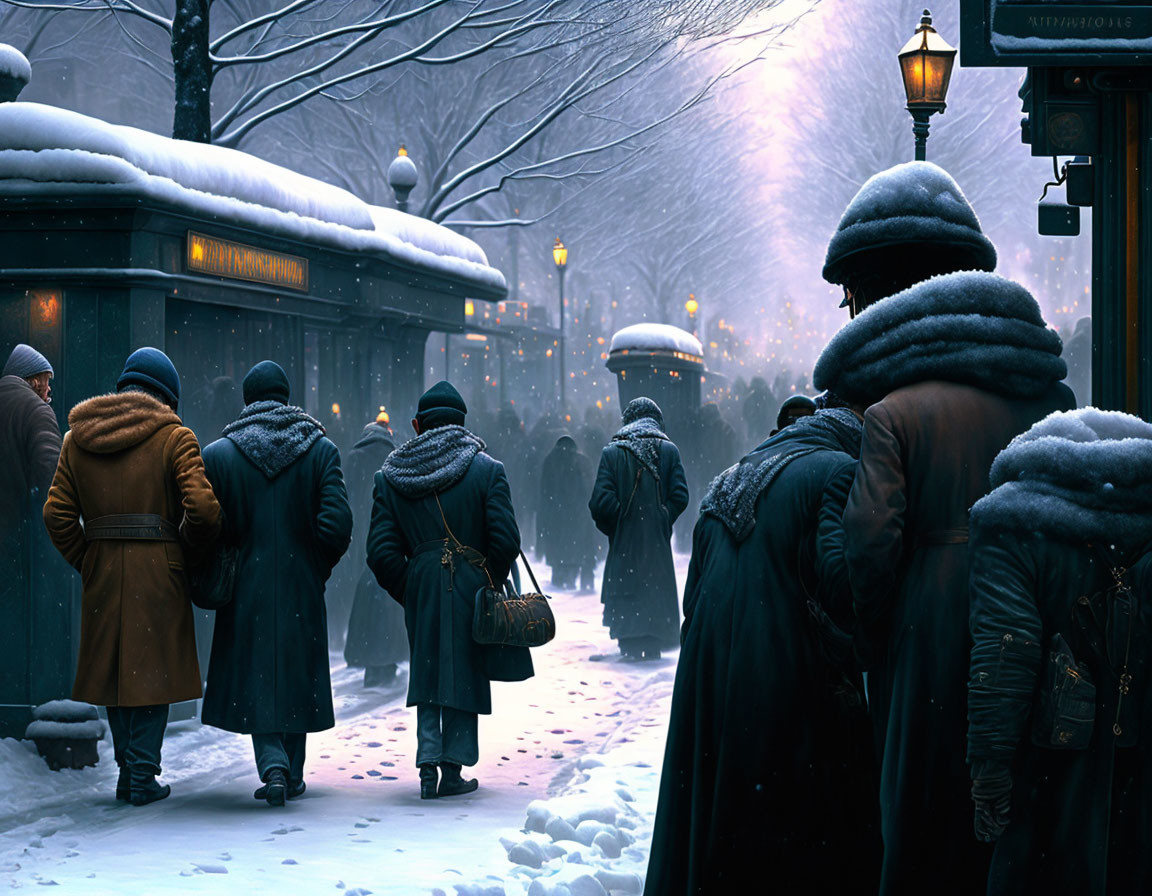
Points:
(646, 343)
(46, 152)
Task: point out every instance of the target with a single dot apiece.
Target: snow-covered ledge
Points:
(46, 151)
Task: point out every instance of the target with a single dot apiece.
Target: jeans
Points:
(444, 734)
(137, 735)
(282, 751)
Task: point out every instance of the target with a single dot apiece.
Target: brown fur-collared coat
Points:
(129, 453)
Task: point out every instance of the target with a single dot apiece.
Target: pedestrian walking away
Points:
(640, 492)
(129, 507)
(442, 527)
(286, 514)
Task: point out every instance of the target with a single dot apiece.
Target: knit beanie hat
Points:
(441, 405)
(150, 368)
(642, 407)
(26, 362)
(267, 381)
(915, 206)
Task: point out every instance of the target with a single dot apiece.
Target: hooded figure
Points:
(950, 370)
(286, 512)
(568, 539)
(768, 764)
(1060, 703)
(639, 493)
(443, 527)
(129, 505)
(377, 640)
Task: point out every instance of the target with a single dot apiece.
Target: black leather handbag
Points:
(504, 617)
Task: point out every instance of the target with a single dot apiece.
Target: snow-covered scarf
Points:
(642, 437)
(1075, 476)
(433, 461)
(272, 435)
(972, 327)
(732, 496)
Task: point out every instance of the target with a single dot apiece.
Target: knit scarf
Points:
(732, 496)
(972, 328)
(273, 435)
(1076, 476)
(642, 438)
(433, 461)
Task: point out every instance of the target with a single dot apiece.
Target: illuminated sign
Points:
(210, 255)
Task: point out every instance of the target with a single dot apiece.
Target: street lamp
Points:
(692, 306)
(560, 256)
(402, 177)
(926, 66)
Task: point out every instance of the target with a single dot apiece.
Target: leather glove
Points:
(992, 794)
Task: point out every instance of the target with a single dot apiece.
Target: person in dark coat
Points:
(768, 765)
(29, 441)
(639, 493)
(1059, 701)
(129, 506)
(442, 527)
(568, 538)
(286, 512)
(377, 640)
(950, 370)
(793, 409)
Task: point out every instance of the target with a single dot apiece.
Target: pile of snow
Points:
(656, 338)
(14, 64)
(49, 151)
(65, 720)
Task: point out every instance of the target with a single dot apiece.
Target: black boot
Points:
(428, 781)
(123, 784)
(144, 788)
(295, 789)
(451, 784)
(276, 787)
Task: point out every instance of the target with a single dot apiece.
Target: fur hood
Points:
(642, 438)
(108, 424)
(432, 462)
(273, 435)
(1076, 476)
(973, 328)
(732, 496)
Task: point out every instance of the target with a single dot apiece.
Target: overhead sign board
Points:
(224, 258)
(1055, 32)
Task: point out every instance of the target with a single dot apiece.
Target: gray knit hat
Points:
(26, 362)
(642, 407)
(916, 205)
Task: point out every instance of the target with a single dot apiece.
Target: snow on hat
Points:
(441, 405)
(266, 381)
(916, 204)
(151, 368)
(26, 362)
(642, 407)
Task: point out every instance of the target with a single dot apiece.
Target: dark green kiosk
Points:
(113, 238)
(1088, 96)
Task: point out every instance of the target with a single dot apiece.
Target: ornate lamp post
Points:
(926, 67)
(402, 177)
(560, 256)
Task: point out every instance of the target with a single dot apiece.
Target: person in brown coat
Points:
(129, 500)
(951, 369)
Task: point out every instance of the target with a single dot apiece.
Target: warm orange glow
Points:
(476, 337)
(691, 306)
(469, 308)
(336, 409)
(383, 417)
(224, 258)
(402, 151)
(559, 254)
(46, 308)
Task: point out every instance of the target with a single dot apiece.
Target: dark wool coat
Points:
(29, 450)
(129, 453)
(766, 778)
(1080, 819)
(269, 670)
(637, 511)
(568, 538)
(924, 462)
(405, 546)
(376, 632)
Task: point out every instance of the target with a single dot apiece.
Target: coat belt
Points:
(131, 527)
(958, 535)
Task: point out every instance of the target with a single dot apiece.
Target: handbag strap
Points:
(473, 556)
(532, 576)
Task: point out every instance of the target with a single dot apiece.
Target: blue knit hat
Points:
(150, 368)
(267, 381)
(26, 362)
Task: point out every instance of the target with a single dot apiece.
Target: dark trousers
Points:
(137, 735)
(282, 751)
(444, 734)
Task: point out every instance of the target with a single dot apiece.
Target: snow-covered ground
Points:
(569, 770)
